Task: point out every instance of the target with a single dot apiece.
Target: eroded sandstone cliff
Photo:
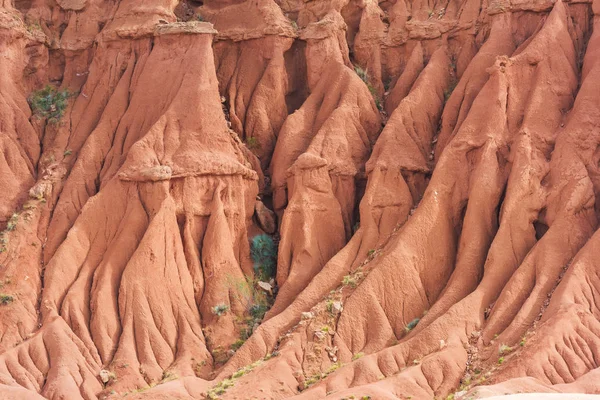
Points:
(299, 199)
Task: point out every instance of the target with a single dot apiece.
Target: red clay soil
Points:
(424, 175)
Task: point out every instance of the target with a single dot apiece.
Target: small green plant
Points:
(34, 26)
(504, 349)
(325, 329)
(357, 356)
(67, 153)
(495, 336)
(329, 306)
(500, 360)
(237, 344)
(258, 310)
(312, 380)
(375, 97)
(6, 299)
(220, 389)
(245, 332)
(49, 102)
(3, 242)
(367, 397)
(334, 367)
(522, 342)
(168, 376)
(252, 143)
(450, 396)
(263, 251)
(371, 252)
(254, 299)
(316, 378)
(411, 325)
(363, 74)
(350, 280)
(294, 25)
(199, 18)
(220, 309)
(244, 370)
(12, 222)
(448, 91)
(225, 384)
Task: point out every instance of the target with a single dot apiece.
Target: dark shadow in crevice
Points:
(295, 65)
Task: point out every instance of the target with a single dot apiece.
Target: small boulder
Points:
(266, 218)
(307, 315)
(265, 286)
(104, 376)
(337, 307)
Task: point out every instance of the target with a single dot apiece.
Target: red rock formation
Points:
(429, 174)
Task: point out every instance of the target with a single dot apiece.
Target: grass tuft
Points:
(49, 102)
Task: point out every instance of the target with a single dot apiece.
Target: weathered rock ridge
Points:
(299, 199)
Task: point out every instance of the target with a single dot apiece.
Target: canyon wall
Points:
(299, 199)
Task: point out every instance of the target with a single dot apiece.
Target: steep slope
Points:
(333, 199)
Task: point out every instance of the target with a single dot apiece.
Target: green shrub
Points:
(500, 360)
(34, 26)
(220, 388)
(6, 299)
(254, 299)
(49, 102)
(237, 344)
(411, 325)
(363, 74)
(168, 376)
(258, 310)
(504, 349)
(245, 332)
(448, 91)
(350, 280)
(220, 309)
(329, 306)
(264, 254)
(252, 143)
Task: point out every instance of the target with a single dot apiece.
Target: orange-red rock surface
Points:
(427, 172)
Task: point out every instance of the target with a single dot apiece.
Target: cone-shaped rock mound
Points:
(299, 199)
